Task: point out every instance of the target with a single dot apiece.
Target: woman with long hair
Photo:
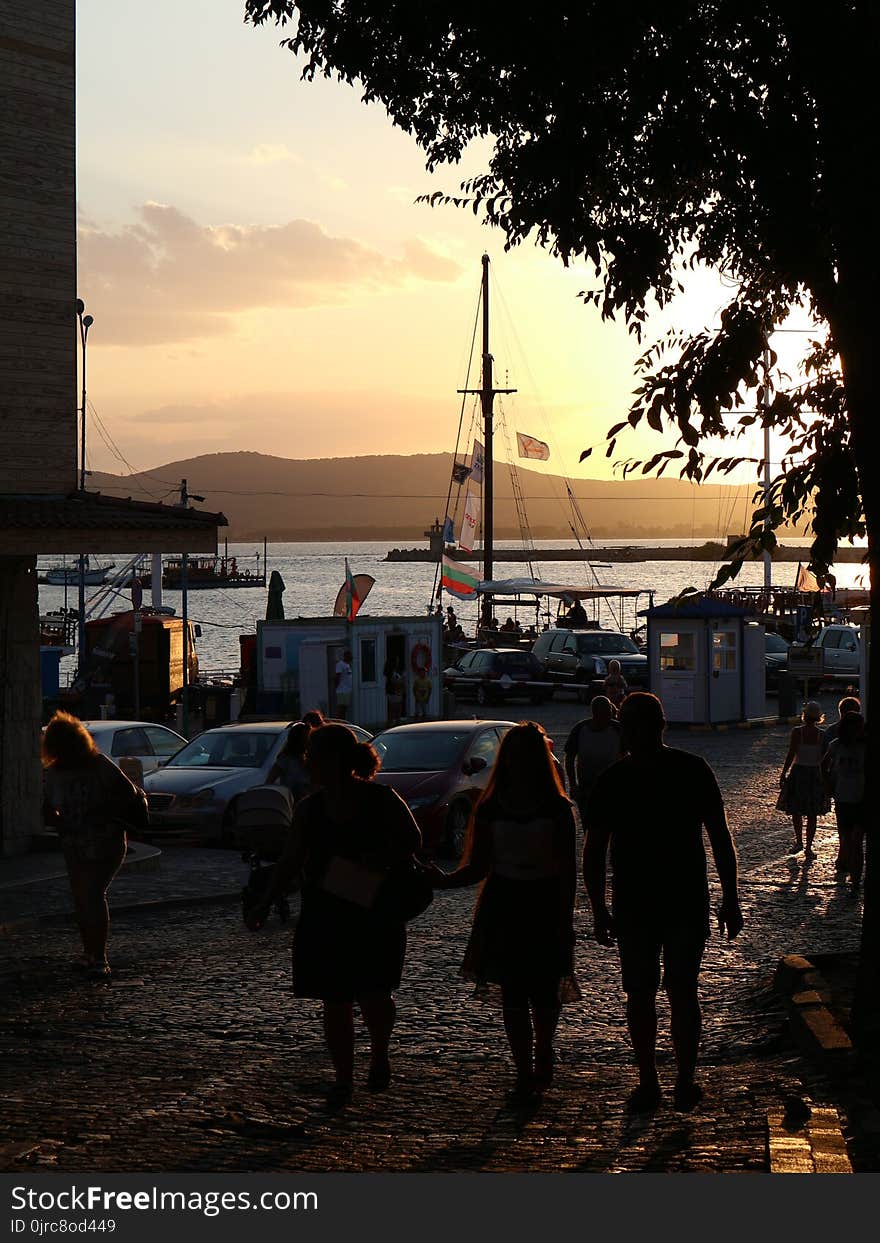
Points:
(522, 843)
(802, 789)
(90, 801)
(346, 837)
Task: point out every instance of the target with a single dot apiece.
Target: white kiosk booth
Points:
(296, 664)
(706, 662)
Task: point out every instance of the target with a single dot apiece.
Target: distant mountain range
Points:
(396, 498)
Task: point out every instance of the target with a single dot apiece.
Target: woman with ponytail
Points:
(346, 836)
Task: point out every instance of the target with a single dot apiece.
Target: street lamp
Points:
(85, 323)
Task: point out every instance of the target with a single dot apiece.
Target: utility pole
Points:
(765, 407)
(85, 323)
(185, 498)
(487, 393)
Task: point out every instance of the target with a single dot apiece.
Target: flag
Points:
(806, 581)
(448, 531)
(477, 462)
(528, 446)
(470, 520)
(352, 593)
(458, 580)
(460, 472)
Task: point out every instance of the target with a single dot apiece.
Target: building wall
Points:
(21, 778)
(37, 247)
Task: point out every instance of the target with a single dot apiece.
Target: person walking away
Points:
(345, 838)
(394, 692)
(844, 769)
(421, 687)
(651, 807)
(615, 687)
(344, 684)
(592, 745)
(289, 768)
(522, 843)
(91, 802)
(802, 791)
(314, 718)
(848, 704)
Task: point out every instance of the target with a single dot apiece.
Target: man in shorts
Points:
(343, 685)
(592, 745)
(651, 806)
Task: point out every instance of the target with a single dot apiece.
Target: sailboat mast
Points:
(487, 397)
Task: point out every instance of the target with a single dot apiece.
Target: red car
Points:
(440, 768)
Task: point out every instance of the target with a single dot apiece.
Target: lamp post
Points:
(85, 323)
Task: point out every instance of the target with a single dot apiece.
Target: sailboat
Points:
(68, 575)
(455, 577)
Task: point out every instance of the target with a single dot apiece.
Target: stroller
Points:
(262, 820)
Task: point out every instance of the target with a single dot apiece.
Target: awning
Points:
(537, 587)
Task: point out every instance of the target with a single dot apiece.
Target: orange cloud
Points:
(168, 278)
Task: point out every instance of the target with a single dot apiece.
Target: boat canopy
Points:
(511, 587)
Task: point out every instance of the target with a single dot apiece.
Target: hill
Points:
(396, 497)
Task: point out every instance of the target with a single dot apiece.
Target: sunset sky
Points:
(261, 278)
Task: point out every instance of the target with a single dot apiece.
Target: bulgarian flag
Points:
(458, 580)
(352, 599)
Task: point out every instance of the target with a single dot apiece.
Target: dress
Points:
(521, 937)
(804, 793)
(341, 950)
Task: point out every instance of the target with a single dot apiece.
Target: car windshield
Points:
(775, 643)
(420, 751)
(225, 748)
(608, 643)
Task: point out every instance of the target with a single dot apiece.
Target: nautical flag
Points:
(477, 462)
(352, 593)
(448, 531)
(530, 447)
(806, 581)
(469, 523)
(458, 580)
(460, 472)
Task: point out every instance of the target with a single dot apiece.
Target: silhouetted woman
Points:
(803, 795)
(522, 842)
(345, 837)
(86, 798)
(289, 768)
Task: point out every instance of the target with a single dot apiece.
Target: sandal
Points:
(645, 1098)
(379, 1077)
(339, 1095)
(687, 1095)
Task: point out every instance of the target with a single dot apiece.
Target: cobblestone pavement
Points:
(197, 1057)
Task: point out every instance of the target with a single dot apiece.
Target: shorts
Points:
(343, 698)
(640, 954)
(849, 816)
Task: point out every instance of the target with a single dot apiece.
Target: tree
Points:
(644, 137)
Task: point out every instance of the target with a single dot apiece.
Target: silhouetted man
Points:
(652, 806)
(592, 745)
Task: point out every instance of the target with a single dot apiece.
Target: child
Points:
(422, 688)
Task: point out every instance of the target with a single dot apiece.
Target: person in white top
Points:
(844, 768)
(344, 684)
(803, 795)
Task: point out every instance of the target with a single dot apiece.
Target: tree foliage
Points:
(642, 137)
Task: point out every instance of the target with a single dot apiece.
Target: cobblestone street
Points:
(197, 1058)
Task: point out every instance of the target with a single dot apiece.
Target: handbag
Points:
(782, 800)
(405, 893)
(352, 882)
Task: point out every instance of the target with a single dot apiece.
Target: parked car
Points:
(197, 788)
(152, 744)
(579, 658)
(775, 658)
(842, 652)
(440, 768)
(490, 675)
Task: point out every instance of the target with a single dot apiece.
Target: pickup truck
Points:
(843, 652)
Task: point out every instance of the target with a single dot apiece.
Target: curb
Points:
(723, 727)
(814, 1026)
(117, 912)
(813, 1145)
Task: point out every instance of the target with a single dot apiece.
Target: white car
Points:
(843, 653)
(152, 744)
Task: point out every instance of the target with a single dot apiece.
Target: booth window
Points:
(724, 651)
(678, 653)
(368, 661)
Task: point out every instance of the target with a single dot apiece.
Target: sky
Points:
(261, 278)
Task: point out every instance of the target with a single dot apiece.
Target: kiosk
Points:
(706, 661)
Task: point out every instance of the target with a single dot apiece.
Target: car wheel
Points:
(456, 829)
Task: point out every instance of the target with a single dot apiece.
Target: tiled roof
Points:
(91, 510)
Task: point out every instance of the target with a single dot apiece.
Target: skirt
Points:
(804, 792)
(517, 939)
(342, 951)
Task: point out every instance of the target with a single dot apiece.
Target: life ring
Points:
(420, 657)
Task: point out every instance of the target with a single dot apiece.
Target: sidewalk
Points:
(35, 886)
